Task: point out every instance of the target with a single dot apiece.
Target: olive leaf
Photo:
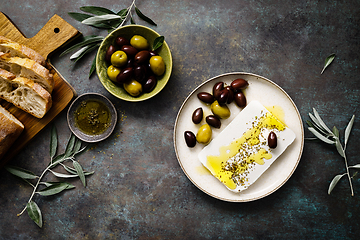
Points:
(53, 142)
(96, 10)
(53, 189)
(348, 129)
(48, 184)
(82, 16)
(320, 121)
(355, 166)
(85, 41)
(77, 145)
(63, 175)
(339, 148)
(78, 55)
(143, 17)
(20, 172)
(80, 172)
(93, 67)
(320, 136)
(70, 146)
(158, 42)
(34, 213)
(100, 19)
(328, 61)
(79, 16)
(334, 182)
(123, 12)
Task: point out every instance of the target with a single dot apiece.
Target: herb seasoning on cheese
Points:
(240, 154)
(237, 159)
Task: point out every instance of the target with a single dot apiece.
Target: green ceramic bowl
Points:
(127, 32)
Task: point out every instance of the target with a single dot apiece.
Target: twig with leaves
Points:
(323, 133)
(328, 61)
(105, 19)
(73, 148)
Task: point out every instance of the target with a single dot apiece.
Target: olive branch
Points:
(102, 18)
(73, 148)
(323, 133)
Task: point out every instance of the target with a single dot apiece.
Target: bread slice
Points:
(25, 67)
(10, 130)
(24, 94)
(19, 50)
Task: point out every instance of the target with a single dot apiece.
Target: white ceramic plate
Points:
(267, 93)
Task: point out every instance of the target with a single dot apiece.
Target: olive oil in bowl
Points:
(92, 117)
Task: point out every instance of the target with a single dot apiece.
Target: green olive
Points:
(133, 87)
(139, 42)
(157, 65)
(119, 59)
(204, 134)
(112, 72)
(221, 111)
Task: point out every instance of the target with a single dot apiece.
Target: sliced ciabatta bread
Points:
(24, 94)
(10, 130)
(19, 50)
(27, 68)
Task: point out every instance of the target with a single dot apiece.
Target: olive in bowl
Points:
(124, 35)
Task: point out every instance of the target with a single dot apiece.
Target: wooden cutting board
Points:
(52, 36)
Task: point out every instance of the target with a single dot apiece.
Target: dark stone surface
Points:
(138, 190)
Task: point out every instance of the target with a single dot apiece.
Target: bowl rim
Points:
(134, 99)
(87, 137)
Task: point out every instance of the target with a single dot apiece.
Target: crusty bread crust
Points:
(10, 130)
(28, 68)
(24, 94)
(19, 50)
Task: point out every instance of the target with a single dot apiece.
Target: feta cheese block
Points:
(240, 154)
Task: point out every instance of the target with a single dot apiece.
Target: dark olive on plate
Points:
(142, 57)
(231, 94)
(120, 41)
(240, 99)
(129, 50)
(213, 121)
(197, 115)
(149, 84)
(125, 75)
(205, 97)
(239, 84)
(109, 52)
(217, 89)
(223, 96)
(190, 139)
(272, 140)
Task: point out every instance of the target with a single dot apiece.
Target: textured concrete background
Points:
(138, 190)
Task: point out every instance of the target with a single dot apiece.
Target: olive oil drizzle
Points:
(236, 160)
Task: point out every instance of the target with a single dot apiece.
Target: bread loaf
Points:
(18, 50)
(10, 129)
(25, 94)
(28, 68)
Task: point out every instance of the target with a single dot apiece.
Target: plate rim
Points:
(292, 170)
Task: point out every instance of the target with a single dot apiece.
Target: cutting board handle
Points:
(53, 35)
